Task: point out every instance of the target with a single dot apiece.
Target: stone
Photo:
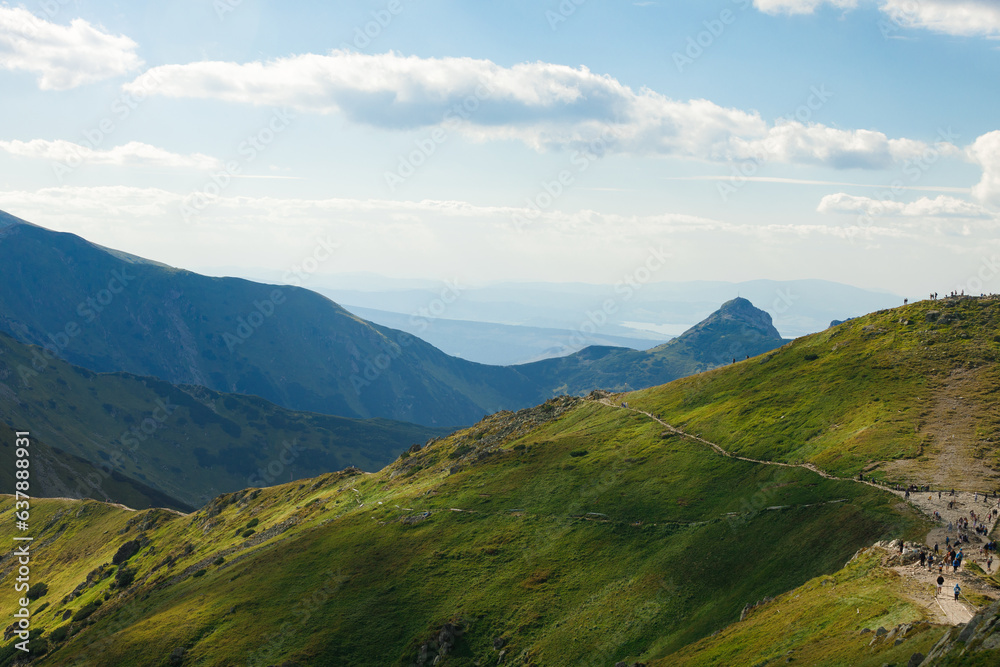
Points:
(499, 643)
(915, 660)
(881, 632)
(865, 631)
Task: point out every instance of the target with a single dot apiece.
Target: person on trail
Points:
(936, 550)
(930, 562)
(958, 591)
(947, 538)
(940, 583)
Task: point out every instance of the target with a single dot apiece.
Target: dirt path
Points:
(949, 423)
(943, 607)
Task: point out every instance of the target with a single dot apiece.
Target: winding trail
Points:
(948, 507)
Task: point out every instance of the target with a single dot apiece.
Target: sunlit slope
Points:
(570, 534)
(823, 623)
(919, 382)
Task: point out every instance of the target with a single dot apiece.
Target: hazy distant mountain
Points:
(737, 330)
(108, 311)
(111, 312)
(798, 307)
(500, 344)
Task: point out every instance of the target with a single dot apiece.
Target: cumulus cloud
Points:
(799, 143)
(543, 105)
(925, 207)
(61, 56)
(132, 154)
(952, 17)
(800, 6)
(985, 152)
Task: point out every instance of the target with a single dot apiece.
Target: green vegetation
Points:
(823, 623)
(632, 551)
(866, 397)
(204, 443)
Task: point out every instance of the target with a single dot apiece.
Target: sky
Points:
(562, 140)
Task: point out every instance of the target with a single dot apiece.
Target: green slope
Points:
(56, 474)
(919, 382)
(185, 443)
(570, 534)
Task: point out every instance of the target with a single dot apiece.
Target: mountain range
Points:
(108, 311)
(708, 522)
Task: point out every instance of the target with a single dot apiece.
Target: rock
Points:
(499, 643)
(176, 656)
(915, 660)
(865, 631)
(881, 632)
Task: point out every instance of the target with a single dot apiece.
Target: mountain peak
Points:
(740, 310)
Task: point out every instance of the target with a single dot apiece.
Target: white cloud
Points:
(543, 105)
(132, 154)
(925, 207)
(797, 143)
(445, 239)
(952, 17)
(62, 57)
(985, 152)
(799, 6)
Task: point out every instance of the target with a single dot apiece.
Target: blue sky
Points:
(516, 140)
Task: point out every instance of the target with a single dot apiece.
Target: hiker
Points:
(923, 558)
(930, 562)
(958, 591)
(940, 583)
(936, 548)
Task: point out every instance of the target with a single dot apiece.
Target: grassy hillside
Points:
(737, 330)
(823, 623)
(908, 394)
(571, 534)
(186, 443)
(56, 474)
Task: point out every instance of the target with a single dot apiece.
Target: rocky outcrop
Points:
(978, 641)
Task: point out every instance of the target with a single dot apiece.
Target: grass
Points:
(821, 623)
(634, 550)
(845, 398)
